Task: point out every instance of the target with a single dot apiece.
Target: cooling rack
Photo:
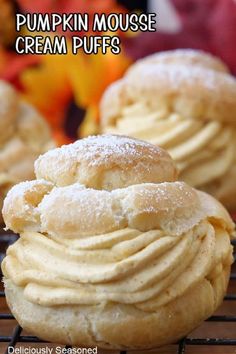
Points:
(17, 337)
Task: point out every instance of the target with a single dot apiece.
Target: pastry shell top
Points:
(183, 57)
(196, 92)
(113, 180)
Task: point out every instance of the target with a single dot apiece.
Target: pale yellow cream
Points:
(204, 151)
(145, 269)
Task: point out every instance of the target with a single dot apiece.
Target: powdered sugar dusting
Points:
(173, 207)
(178, 76)
(83, 205)
(99, 149)
(106, 162)
(186, 57)
(23, 187)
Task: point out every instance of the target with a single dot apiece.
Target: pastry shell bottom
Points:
(119, 326)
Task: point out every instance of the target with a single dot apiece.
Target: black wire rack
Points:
(18, 337)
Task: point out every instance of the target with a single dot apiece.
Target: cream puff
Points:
(185, 102)
(24, 135)
(113, 251)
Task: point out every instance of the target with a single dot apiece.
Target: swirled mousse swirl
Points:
(145, 269)
(123, 246)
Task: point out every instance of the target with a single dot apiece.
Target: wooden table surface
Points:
(206, 330)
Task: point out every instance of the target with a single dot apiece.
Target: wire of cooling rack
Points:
(16, 336)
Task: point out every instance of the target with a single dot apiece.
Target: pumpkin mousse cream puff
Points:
(113, 251)
(24, 135)
(185, 102)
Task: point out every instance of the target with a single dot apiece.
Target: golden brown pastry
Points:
(185, 102)
(24, 135)
(113, 252)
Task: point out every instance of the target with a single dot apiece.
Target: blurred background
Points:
(66, 89)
